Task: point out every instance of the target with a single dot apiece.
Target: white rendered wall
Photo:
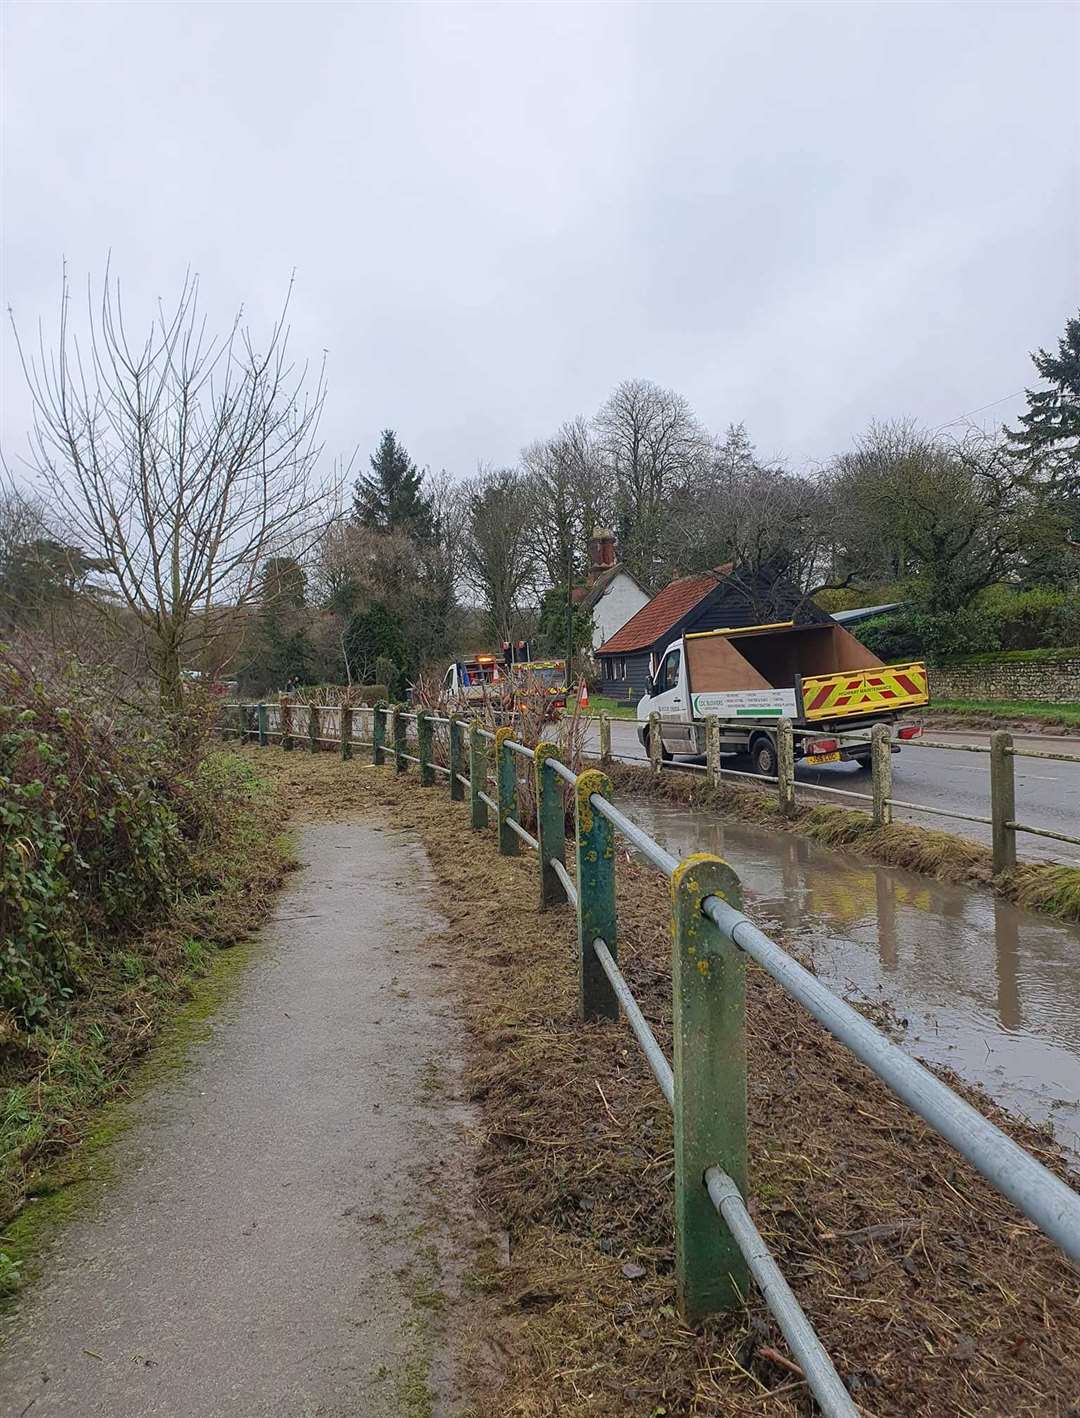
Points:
(622, 599)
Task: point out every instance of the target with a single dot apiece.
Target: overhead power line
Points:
(981, 409)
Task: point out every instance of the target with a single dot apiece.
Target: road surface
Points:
(259, 1255)
(1047, 793)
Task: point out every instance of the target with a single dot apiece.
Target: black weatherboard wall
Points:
(738, 600)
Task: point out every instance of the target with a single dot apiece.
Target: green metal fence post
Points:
(550, 825)
(712, 751)
(423, 752)
(881, 773)
(401, 763)
(286, 724)
(709, 1064)
(785, 766)
(346, 732)
(378, 734)
(595, 844)
(457, 758)
(260, 713)
(656, 743)
(506, 775)
(477, 776)
(313, 726)
(1002, 800)
(605, 737)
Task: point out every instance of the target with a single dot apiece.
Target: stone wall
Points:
(1047, 681)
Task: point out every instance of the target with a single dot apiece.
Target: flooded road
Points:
(989, 990)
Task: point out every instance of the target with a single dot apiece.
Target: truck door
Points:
(671, 704)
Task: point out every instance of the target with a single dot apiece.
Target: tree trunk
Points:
(170, 685)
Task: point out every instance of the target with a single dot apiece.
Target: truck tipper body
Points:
(818, 676)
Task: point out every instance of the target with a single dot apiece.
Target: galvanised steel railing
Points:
(717, 1245)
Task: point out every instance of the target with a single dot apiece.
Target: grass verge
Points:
(57, 1081)
(617, 708)
(980, 712)
(933, 1296)
(1037, 886)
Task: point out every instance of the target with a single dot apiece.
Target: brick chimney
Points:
(601, 551)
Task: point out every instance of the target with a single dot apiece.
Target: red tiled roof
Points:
(665, 609)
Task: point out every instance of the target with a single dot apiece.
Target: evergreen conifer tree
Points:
(1049, 436)
(392, 497)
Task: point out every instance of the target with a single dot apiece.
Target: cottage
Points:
(612, 595)
(714, 600)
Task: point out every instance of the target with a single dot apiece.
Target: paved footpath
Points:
(258, 1253)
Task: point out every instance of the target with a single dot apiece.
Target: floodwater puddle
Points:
(985, 988)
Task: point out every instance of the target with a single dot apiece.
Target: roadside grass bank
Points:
(124, 991)
(996, 714)
(933, 1296)
(1049, 887)
(616, 708)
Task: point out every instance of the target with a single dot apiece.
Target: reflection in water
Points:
(1007, 952)
(990, 990)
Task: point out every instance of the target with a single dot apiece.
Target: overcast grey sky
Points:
(805, 217)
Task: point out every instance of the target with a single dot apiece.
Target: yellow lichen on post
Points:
(689, 863)
(589, 782)
(541, 754)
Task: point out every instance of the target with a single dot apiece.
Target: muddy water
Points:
(992, 991)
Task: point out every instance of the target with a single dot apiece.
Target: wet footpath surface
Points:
(978, 985)
(262, 1246)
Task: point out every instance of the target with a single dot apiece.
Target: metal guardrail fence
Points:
(717, 1246)
(1001, 751)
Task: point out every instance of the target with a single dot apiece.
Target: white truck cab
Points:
(669, 697)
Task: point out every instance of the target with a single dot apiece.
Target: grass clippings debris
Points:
(932, 1294)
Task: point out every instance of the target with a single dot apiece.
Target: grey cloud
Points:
(804, 217)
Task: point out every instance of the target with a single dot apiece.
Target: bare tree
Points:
(772, 528)
(565, 482)
(948, 517)
(499, 553)
(653, 447)
(179, 462)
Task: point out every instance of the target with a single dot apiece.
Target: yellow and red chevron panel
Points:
(865, 691)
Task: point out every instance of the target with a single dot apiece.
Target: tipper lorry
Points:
(817, 675)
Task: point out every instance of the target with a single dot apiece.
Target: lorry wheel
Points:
(763, 756)
(665, 756)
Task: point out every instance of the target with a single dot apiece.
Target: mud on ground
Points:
(931, 1293)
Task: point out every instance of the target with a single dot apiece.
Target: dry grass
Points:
(932, 1294)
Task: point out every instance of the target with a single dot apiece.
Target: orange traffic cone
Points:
(583, 696)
